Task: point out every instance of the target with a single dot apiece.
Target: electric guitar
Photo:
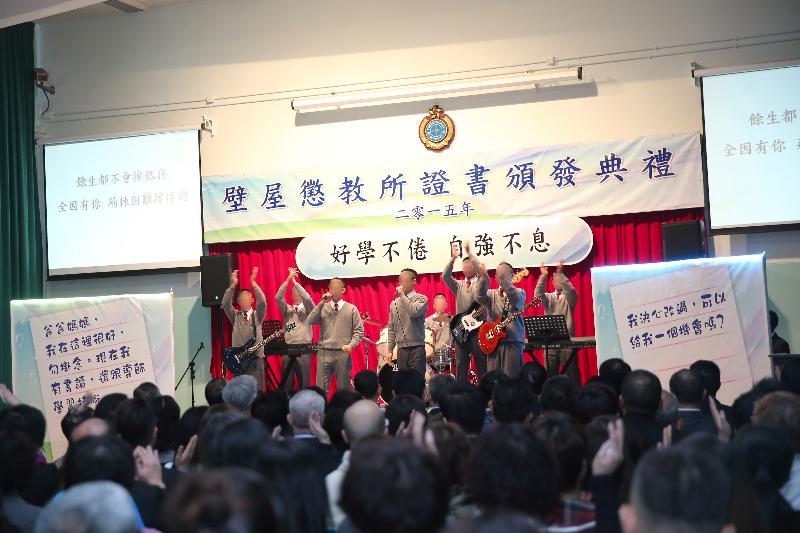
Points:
(491, 333)
(463, 324)
(238, 359)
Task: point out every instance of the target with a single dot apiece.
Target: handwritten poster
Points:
(667, 322)
(96, 350)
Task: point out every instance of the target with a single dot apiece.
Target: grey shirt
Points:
(442, 338)
(298, 314)
(407, 321)
(466, 291)
(337, 328)
(495, 300)
(242, 325)
(558, 304)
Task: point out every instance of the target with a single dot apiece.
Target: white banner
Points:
(662, 317)
(641, 174)
(94, 347)
(384, 251)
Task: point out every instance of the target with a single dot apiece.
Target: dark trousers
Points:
(411, 357)
(463, 354)
(301, 370)
(555, 358)
(257, 371)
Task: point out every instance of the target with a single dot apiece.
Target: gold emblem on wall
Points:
(437, 130)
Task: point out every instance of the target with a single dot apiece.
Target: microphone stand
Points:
(190, 369)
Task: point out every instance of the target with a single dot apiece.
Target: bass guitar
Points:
(238, 359)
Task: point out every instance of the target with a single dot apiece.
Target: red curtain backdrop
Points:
(618, 240)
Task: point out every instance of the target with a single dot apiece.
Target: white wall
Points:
(226, 49)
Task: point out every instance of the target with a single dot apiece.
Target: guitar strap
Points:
(255, 337)
(506, 306)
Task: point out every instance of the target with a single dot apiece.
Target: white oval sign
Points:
(527, 241)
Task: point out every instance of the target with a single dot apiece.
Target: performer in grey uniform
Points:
(502, 302)
(340, 330)
(407, 323)
(298, 312)
(560, 302)
(466, 292)
(442, 338)
(246, 321)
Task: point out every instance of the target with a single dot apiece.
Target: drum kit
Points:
(437, 360)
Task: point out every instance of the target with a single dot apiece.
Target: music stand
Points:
(547, 329)
(269, 327)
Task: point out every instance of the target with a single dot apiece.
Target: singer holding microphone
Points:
(340, 330)
(406, 327)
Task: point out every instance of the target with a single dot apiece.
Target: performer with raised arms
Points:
(297, 313)
(466, 292)
(562, 301)
(246, 321)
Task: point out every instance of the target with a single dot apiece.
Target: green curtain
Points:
(21, 274)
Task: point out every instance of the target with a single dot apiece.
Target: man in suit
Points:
(297, 313)
(246, 321)
(406, 328)
(502, 302)
(340, 330)
(561, 301)
(466, 292)
(687, 386)
(306, 411)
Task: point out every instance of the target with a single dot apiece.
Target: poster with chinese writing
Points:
(664, 316)
(76, 350)
(669, 321)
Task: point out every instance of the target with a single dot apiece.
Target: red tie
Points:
(244, 315)
(502, 294)
(335, 307)
(468, 283)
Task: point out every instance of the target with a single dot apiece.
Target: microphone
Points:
(202, 345)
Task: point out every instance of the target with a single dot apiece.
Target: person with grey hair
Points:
(93, 507)
(306, 411)
(240, 392)
(303, 407)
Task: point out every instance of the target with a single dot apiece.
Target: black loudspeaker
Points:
(683, 240)
(215, 277)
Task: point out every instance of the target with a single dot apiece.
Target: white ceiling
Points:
(101, 10)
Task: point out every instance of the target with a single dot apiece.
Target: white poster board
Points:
(664, 316)
(66, 349)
